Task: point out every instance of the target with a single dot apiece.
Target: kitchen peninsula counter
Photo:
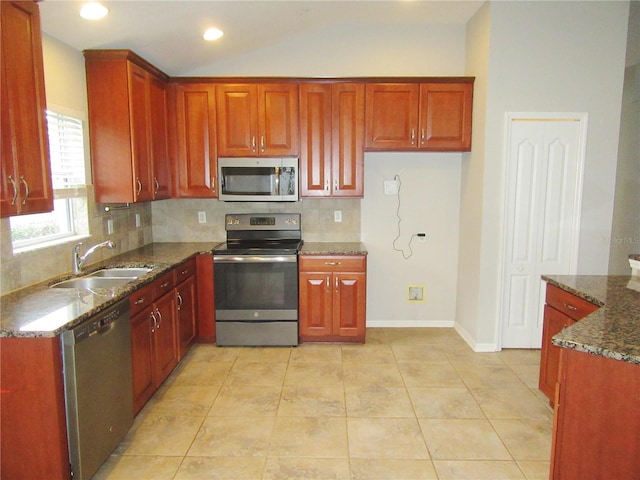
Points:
(612, 331)
(333, 248)
(40, 311)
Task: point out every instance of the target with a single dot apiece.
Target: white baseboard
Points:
(475, 346)
(409, 323)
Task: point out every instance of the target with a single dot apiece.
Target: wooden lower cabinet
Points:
(154, 352)
(186, 311)
(33, 429)
(562, 310)
(596, 431)
(332, 298)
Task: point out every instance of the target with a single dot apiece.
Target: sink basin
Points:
(89, 283)
(130, 272)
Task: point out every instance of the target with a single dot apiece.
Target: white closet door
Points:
(543, 186)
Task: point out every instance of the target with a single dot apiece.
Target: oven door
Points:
(256, 299)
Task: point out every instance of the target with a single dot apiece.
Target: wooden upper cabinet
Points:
(411, 116)
(445, 116)
(127, 127)
(193, 139)
(25, 186)
(332, 146)
(257, 119)
(392, 116)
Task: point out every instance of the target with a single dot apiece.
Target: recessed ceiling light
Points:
(93, 11)
(212, 34)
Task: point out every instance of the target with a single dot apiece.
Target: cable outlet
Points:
(415, 293)
(422, 237)
(202, 217)
(337, 216)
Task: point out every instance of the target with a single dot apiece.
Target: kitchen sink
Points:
(89, 283)
(105, 278)
(119, 272)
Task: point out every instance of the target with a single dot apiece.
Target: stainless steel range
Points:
(256, 280)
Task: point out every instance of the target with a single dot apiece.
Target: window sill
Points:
(53, 243)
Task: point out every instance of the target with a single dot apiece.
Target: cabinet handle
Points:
(157, 185)
(332, 263)
(253, 143)
(213, 184)
(139, 186)
(423, 136)
(15, 190)
(164, 285)
(335, 185)
(140, 301)
(328, 284)
(159, 316)
(326, 185)
(413, 136)
(155, 323)
(262, 143)
(336, 283)
(179, 300)
(26, 190)
(570, 307)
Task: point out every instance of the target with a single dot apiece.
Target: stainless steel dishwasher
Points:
(98, 387)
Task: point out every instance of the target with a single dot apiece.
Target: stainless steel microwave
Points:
(258, 179)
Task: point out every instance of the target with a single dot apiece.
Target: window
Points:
(69, 217)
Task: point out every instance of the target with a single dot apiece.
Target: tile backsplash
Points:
(173, 220)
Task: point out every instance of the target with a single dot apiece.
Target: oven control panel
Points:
(251, 221)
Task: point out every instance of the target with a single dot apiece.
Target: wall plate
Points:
(415, 293)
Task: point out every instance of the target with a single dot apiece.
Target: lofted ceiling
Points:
(168, 33)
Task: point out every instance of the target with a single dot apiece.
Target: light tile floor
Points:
(411, 404)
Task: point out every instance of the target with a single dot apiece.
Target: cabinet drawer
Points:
(333, 263)
(141, 298)
(569, 304)
(186, 270)
(163, 284)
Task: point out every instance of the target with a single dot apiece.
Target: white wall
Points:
(428, 202)
(545, 57)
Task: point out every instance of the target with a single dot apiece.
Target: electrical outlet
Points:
(202, 217)
(337, 216)
(422, 237)
(391, 187)
(109, 226)
(138, 223)
(415, 293)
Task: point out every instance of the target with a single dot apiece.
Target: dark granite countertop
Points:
(333, 248)
(40, 311)
(614, 329)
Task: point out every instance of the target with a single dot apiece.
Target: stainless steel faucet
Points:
(79, 261)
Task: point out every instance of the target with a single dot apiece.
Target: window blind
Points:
(66, 149)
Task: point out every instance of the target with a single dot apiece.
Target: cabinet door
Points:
(278, 119)
(186, 308)
(315, 132)
(315, 304)
(196, 141)
(166, 355)
(347, 140)
(140, 133)
(237, 120)
(142, 348)
(24, 132)
(445, 116)
(8, 168)
(349, 304)
(391, 116)
(554, 322)
(159, 145)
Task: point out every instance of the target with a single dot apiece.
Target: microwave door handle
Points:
(277, 182)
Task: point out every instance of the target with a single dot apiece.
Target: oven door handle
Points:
(255, 258)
